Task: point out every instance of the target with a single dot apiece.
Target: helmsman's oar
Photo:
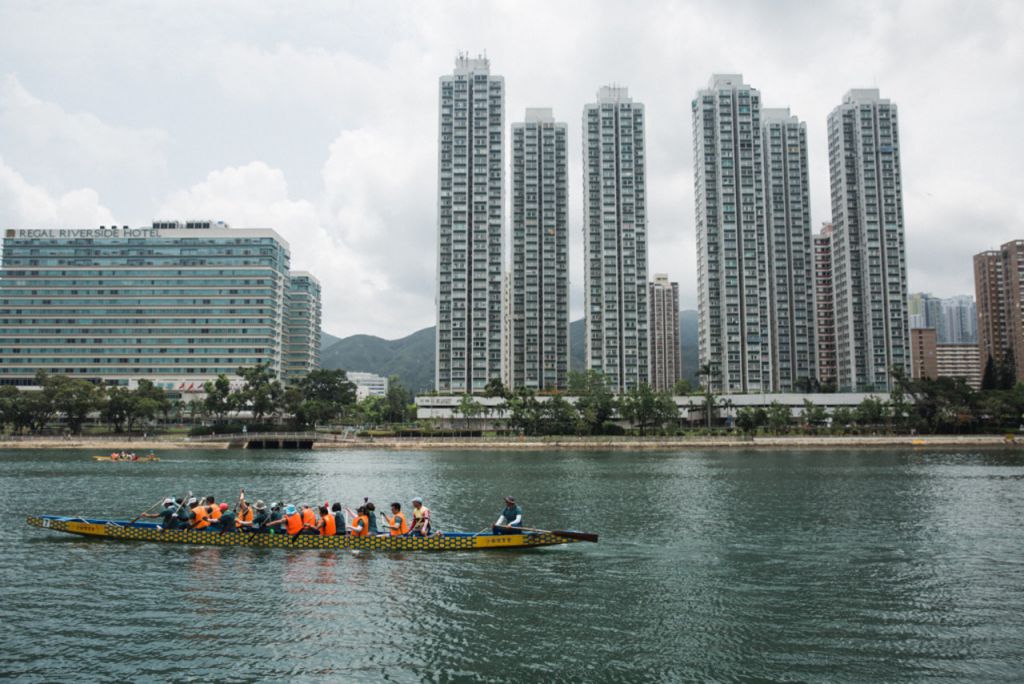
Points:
(132, 521)
(568, 534)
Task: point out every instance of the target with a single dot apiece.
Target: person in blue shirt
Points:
(511, 517)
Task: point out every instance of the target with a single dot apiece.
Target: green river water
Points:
(881, 565)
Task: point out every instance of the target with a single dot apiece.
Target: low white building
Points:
(368, 384)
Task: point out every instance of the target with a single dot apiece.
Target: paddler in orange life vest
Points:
(244, 513)
(326, 526)
(420, 518)
(292, 521)
(308, 517)
(360, 527)
(397, 523)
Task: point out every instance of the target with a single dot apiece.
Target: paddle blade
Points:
(569, 534)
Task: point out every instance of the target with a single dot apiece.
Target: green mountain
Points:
(327, 340)
(412, 358)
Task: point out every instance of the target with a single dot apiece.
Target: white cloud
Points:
(23, 205)
(256, 196)
(60, 149)
(342, 101)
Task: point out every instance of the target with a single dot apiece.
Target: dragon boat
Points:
(125, 530)
(140, 459)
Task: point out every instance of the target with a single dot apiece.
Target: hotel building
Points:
(176, 303)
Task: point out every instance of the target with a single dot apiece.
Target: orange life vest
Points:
(293, 523)
(327, 526)
(398, 519)
(246, 515)
(308, 517)
(362, 527)
(215, 514)
(202, 519)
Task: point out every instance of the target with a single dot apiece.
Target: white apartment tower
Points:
(540, 280)
(732, 240)
(790, 251)
(615, 235)
(469, 208)
(868, 249)
(665, 351)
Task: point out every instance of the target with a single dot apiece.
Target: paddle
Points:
(132, 521)
(568, 534)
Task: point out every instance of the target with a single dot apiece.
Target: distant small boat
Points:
(125, 460)
(440, 541)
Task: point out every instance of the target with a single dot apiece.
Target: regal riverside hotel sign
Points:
(81, 233)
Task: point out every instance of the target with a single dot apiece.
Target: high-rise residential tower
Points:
(790, 251)
(665, 352)
(732, 242)
(302, 321)
(824, 309)
(868, 247)
(615, 235)
(540, 245)
(998, 282)
(470, 248)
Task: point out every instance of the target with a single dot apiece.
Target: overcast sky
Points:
(320, 119)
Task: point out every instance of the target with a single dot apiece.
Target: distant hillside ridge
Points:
(411, 358)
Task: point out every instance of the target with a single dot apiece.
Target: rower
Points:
(201, 517)
(420, 518)
(166, 515)
(511, 516)
(397, 523)
(292, 521)
(257, 522)
(326, 526)
(245, 513)
(339, 518)
(308, 517)
(371, 516)
(213, 509)
(361, 525)
(226, 521)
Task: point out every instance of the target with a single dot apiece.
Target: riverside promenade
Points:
(327, 441)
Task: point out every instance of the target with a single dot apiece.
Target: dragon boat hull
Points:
(149, 532)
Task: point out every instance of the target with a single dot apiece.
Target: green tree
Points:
(469, 408)
(779, 418)
(990, 378)
(559, 417)
(218, 402)
(750, 418)
(638, 407)
(814, 416)
(262, 392)
(73, 398)
(495, 388)
(594, 399)
(870, 412)
(682, 388)
(10, 406)
(398, 400)
(147, 402)
(325, 396)
(709, 374)
(372, 410)
(524, 411)
(842, 418)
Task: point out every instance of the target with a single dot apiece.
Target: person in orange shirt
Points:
(361, 525)
(397, 523)
(326, 527)
(308, 516)
(201, 517)
(244, 513)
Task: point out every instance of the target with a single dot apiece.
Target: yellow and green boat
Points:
(124, 530)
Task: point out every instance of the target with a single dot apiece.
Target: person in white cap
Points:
(511, 517)
(420, 518)
(166, 515)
